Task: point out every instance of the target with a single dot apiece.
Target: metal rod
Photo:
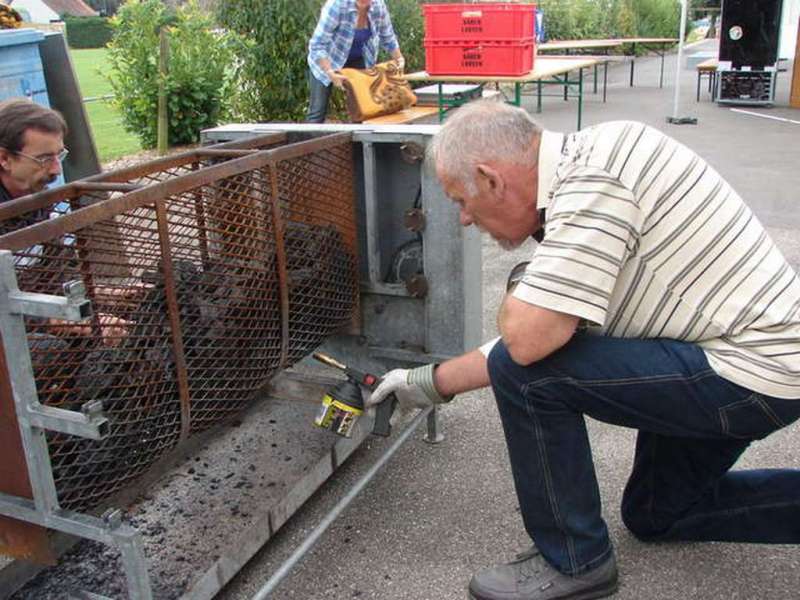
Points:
(162, 131)
(677, 96)
(287, 566)
(281, 259)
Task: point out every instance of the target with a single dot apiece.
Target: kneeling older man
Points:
(655, 301)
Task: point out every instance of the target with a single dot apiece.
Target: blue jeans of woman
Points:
(692, 427)
(319, 94)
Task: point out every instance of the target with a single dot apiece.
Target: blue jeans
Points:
(693, 426)
(319, 94)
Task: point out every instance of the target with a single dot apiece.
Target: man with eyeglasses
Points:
(31, 152)
(31, 148)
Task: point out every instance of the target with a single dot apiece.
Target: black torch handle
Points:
(383, 416)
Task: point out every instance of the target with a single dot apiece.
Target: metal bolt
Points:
(411, 152)
(112, 518)
(93, 408)
(414, 219)
(75, 289)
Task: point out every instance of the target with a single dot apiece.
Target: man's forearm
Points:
(462, 374)
(325, 65)
(530, 332)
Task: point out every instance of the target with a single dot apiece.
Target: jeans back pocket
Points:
(751, 418)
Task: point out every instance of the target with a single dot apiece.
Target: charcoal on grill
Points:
(321, 278)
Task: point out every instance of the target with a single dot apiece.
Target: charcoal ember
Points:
(153, 312)
(47, 352)
(240, 323)
(321, 276)
(111, 372)
(122, 378)
(52, 367)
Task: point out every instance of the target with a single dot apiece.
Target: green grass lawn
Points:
(110, 137)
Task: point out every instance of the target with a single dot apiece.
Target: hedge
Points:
(88, 32)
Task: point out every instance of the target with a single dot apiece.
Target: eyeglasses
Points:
(46, 159)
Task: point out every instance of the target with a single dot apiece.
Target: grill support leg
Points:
(35, 419)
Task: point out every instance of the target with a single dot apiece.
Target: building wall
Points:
(38, 11)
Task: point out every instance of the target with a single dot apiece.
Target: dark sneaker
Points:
(530, 577)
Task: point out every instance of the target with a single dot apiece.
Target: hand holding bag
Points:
(376, 91)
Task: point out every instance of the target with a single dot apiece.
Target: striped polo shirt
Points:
(644, 239)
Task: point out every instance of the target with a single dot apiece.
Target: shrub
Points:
(198, 82)
(272, 66)
(409, 26)
(88, 32)
(579, 19)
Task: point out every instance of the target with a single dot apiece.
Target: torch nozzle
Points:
(330, 361)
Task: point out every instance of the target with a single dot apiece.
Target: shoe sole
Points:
(591, 594)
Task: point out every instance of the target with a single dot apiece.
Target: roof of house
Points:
(75, 8)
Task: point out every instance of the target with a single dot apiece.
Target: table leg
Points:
(538, 96)
(699, 75)
(595, 79)
(661, 77)
(517, 93)
(633, 61)
(566, 86)
(580, 97)
(440, 100)
(605, 80)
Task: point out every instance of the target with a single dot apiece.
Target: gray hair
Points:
(483, 131)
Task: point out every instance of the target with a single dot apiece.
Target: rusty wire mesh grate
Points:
(206, 278)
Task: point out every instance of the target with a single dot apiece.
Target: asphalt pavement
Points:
(437, 513)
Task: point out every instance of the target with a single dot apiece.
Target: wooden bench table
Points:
(708, 68)
(407, 115)
(545, 71)
(657, 45)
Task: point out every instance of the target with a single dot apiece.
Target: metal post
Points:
(20, 372)
(539, 96)
(580, 97)
(371, 213)
(675, 119)
(633, 61)
(440, 100)
(432, 434)
(163, 115)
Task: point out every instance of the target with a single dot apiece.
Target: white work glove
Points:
(401, 63)
(414, 388)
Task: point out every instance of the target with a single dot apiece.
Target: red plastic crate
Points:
(496, 57)
(484, 21)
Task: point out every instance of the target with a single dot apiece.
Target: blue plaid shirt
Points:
(335, 30)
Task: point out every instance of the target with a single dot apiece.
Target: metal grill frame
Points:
(34, 418)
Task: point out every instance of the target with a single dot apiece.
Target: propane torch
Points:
(343, 405)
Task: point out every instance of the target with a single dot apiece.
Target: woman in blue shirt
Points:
(347, 35)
